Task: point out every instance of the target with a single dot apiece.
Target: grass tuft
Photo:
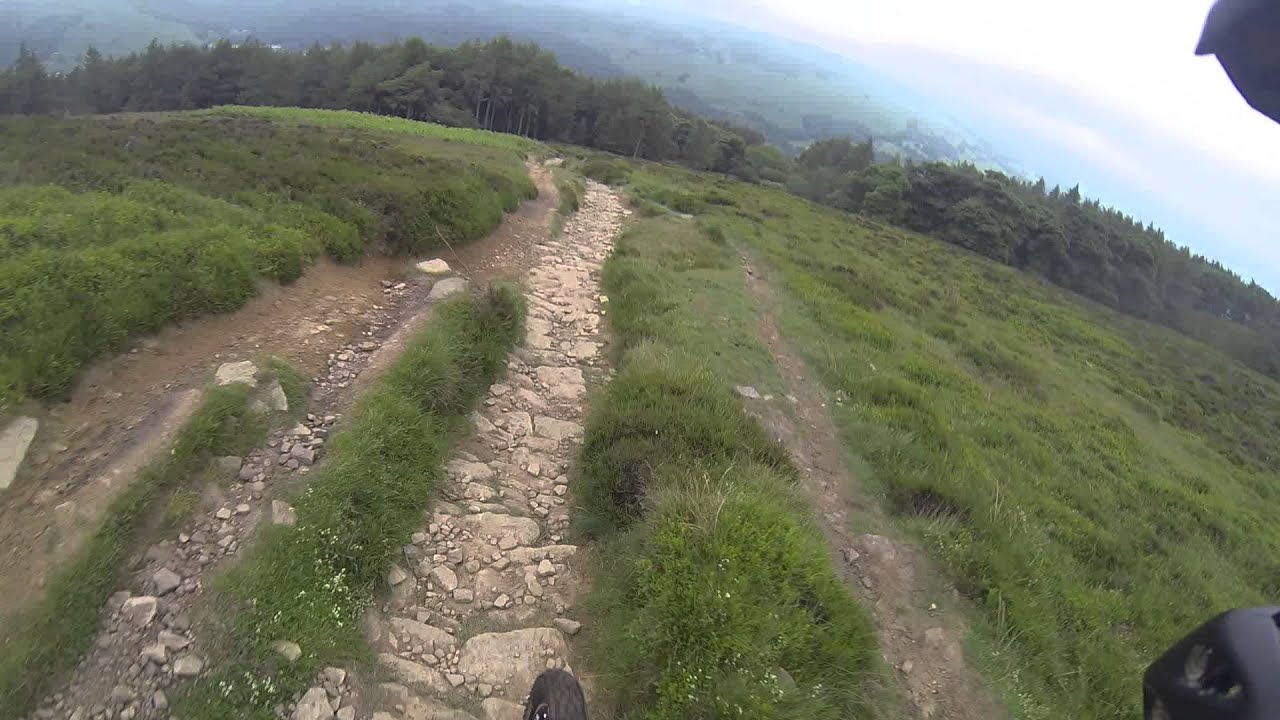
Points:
(714, 595)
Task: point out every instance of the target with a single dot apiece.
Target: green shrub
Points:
(572, 190)
(660, 410)
(723, 604)
(609, 172)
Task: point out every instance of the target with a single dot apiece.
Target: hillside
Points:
(114, 228)
(1092, 484)
(710, 68)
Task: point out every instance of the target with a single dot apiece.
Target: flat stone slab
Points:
(14, 442)
(513, 659)
(237, 372)
(447, 288)
(434, 267)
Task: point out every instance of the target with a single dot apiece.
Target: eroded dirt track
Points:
(918, 636)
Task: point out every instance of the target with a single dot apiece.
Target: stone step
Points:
(512, 659)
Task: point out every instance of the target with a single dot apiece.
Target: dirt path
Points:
(917, 633)
(127, 408)
(486, 598)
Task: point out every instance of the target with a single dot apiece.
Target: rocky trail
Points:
(918, 624)
(484, 597)
(487, 594)
(147, 641)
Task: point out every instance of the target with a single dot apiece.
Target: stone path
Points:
(487, 593)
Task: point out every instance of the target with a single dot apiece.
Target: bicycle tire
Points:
(556, 695)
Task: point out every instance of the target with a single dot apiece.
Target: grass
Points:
(713, 595)
(117, 226)
(383, 123)
(293, 382)
(1094, 485)
(311, 583)
(46, 641)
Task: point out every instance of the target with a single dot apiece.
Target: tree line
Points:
(519, 88)
(1072, 241)
(498, 85)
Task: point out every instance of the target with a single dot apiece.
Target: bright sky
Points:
(1133, 59)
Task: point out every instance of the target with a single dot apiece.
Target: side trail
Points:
(486, 597)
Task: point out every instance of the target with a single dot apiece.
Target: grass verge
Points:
(113, 227)
(714, 596)
(40, 645)
(311, 583)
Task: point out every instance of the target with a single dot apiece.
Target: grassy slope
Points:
(1097, 486)
(311, 583)
(714, 596)
(115, 226)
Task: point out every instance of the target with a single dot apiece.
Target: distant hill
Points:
(794, 94)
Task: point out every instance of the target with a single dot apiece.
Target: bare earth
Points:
(917, 632)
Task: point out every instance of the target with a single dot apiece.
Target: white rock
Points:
(188, 666)
(335, 675)
(445, 578)
(469, 471)
(546, 568)
(554, 429)
(435, 267)
(428, 636)
(274, 399)
(314, 705)
(155, 653)
(346, 713)
(396, 575)
(747, 392)
(446, 288)
(165, 581)
(237, 372)
(282, 513)
(288, 649)
(567, 626)
(14, 442)
(172, 640)
(522, 530)
(513, 658)
(139, 611)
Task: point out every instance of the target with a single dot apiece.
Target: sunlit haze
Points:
(1107, 94)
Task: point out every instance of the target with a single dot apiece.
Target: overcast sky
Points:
(1108, 89)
